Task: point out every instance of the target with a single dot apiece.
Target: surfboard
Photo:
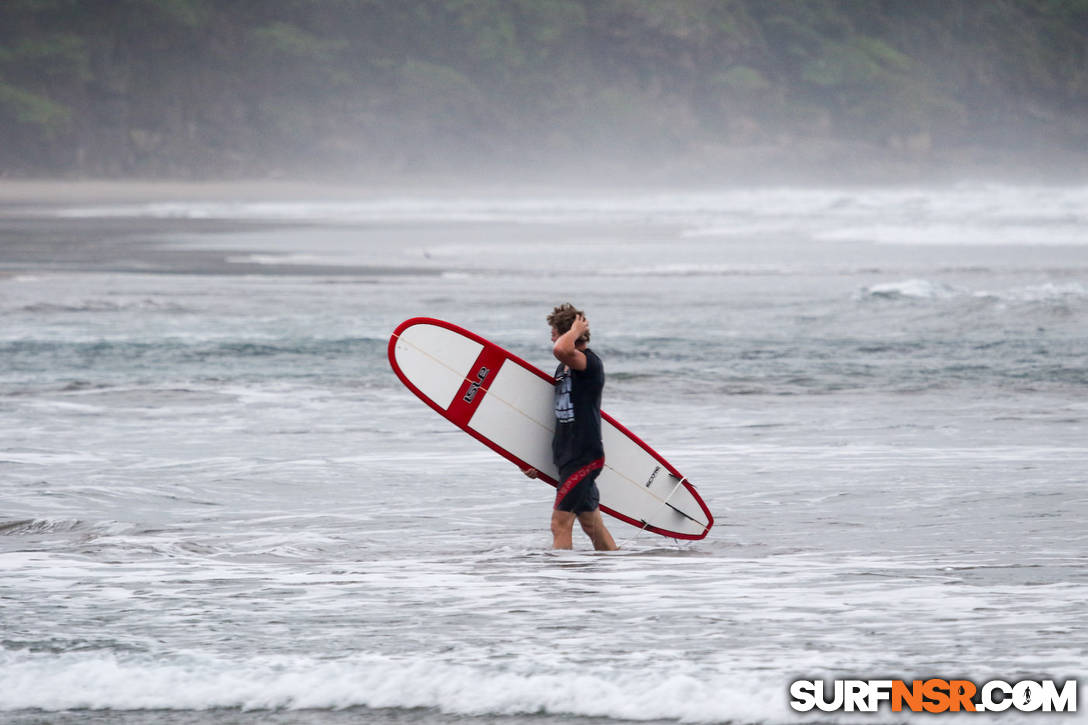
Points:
(507, 404)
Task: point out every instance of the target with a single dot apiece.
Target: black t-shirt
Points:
(577, 439)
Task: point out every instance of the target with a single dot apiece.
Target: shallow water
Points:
(220, 505)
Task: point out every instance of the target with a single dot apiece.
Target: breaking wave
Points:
(107, 681)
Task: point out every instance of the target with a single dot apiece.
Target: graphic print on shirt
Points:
(564, 406)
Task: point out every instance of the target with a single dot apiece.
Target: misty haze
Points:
(635, 89)
(835, 260)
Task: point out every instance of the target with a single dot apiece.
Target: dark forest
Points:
(258, 88)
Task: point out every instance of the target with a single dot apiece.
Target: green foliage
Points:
(681, 19)
(248, 75)
(1065, 8)
(884, 54)
(443, 91)
(32, 109)
(857, 61)
(795, 39)
(548, 22)
(288, 40)
(186, 13)
(37, 6)
(61, 54)
(743, 79)
(489, 29)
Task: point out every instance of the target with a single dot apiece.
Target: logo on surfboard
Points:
(481, 376)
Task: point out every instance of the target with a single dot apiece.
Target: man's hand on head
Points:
(580, 326)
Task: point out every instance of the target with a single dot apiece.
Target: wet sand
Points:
(34, 237)
(48, 192)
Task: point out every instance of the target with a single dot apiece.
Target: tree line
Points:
(184, 88)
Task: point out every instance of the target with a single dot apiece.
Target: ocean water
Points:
(219, 505)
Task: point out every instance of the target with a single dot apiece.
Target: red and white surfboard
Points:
(508, 405)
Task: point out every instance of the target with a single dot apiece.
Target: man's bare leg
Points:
(593, 525)
(562, 529)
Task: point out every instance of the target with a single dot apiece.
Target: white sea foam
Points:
(695, 270)
(1049, 292)
(193, 681)
(961, 215)
(921, 289)
(286, 259)
(976, 232)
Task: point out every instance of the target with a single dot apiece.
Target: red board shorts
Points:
(578, 492)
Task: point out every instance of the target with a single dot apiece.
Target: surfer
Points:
(576, 445)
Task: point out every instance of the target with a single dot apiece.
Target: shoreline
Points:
(46, 192)
(136, 245)
(730, 171)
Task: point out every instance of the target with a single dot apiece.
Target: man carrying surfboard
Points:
(577, 449)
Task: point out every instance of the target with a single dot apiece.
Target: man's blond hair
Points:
(562, 317)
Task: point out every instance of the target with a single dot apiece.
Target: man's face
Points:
(555, 334)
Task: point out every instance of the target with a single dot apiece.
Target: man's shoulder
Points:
(594, 364)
